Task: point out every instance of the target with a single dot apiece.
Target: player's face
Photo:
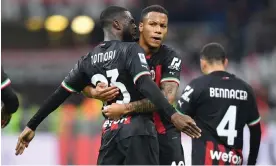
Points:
(129, 27)
(153, 29)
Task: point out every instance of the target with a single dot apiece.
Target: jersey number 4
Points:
(230, 119)
(113, 74)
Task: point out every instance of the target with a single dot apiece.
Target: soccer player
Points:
(165, 68)
(9, 98)
(122, 64)
(221, 104)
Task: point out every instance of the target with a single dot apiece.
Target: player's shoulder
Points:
(168, 51)
(86, 57)
(201, 81)
(243, 83)
(128, 45)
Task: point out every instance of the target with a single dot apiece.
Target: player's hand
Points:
(23, 140)
(186, 124)
(114, 111)
(5, 118)
(102, 92)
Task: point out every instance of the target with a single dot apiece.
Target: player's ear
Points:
(225, 64)
(116, 25)
(141, 26)
(203, 65)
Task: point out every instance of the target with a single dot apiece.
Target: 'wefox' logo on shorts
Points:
(226, 157)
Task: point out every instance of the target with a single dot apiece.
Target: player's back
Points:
(109, 59)
(223, 107)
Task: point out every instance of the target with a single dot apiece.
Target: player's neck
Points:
(149, 51)
(109, 35)
(215, 68)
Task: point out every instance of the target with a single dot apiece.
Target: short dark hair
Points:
(153, 8)
(109, 14)
(213, 52)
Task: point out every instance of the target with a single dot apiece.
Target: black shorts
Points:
(134, 150)
(213, 153)
(170, 148)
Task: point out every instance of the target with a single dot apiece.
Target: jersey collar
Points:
(221, 73)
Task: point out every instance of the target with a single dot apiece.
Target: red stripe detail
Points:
(209, 146)
(222, 150)
(114, 126)
(103, 128)
(148, 57)
(156, 117)
(127, 120)
(158, 73)
(158, 123)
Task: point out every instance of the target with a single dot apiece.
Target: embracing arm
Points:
(169, 89)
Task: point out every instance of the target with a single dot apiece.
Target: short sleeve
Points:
(171, 68)
(76, 80)
(136, 62)
(187, 102)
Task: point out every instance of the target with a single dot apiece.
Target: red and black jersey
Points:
(165, 65)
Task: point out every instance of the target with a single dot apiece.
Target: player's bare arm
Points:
(169, 89)
(115, 111)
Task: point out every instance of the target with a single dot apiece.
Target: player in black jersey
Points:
(9, 98)
(221, 104)
(123, 65)
(165, 68)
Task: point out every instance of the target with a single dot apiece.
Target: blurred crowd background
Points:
(42, 40)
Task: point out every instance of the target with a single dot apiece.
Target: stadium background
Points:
(42, 39)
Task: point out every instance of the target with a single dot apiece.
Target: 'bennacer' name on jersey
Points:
(228, 93)
(103, 57)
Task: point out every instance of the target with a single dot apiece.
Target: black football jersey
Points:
(221, 105)
(114, 63)
(119, 64)
(5, 81)
(165, 65)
